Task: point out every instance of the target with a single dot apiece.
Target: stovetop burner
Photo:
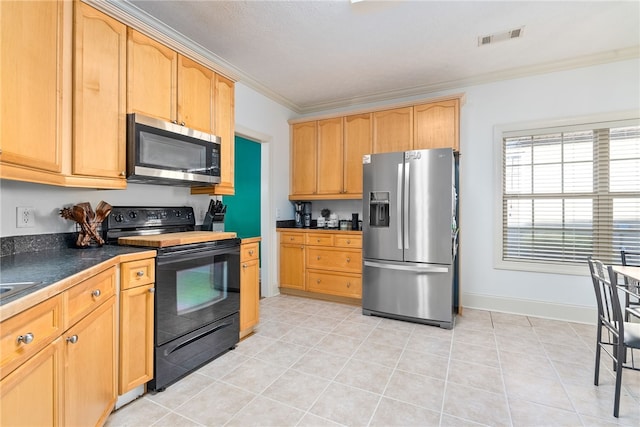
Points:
(126, 221)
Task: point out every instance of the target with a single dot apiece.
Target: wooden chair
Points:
(620, 335)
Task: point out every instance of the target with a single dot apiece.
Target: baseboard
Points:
(548, 310)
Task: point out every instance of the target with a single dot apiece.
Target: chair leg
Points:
(616, 402)
(597, 367)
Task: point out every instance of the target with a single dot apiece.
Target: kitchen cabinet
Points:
(393, 130)
(224, 113)
(58, 358)
(90, 367)
(31, 81)
(330, 157)
(63, 95)
(304, 154)
(357, 143)
(99, 94)
(249, 285)
(292, 268)
(327, 262)
(195, 93)
(137, 279)
(437, 125)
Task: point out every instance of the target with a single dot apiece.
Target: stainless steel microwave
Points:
(160, 152)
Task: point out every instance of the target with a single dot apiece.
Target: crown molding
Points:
(141, 21)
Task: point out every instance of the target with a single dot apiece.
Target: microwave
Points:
(165, 153)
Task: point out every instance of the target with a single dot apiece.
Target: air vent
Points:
(499, 37)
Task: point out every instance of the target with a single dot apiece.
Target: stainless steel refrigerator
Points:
(410, 236)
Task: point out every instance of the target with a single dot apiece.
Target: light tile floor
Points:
(316, 363)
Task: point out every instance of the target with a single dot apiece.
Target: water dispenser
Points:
(379, 209)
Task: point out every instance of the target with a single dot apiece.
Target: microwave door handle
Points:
(399, 206)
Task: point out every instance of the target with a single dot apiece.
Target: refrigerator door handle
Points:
(407, 176)
(417, 269)
(399, 207)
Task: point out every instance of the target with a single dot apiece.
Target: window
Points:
(569, 193)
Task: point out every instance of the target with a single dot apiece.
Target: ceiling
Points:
(318, 55)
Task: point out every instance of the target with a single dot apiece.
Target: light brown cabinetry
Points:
(292, 265)
(304, 154)
(330, 157)
(62, 96)
(99, 94)
(136, 324)
(357, 143)
(31, 80)
(249, 286)
(393, 130)
(331, 263)
(224, 125)
(436, 125)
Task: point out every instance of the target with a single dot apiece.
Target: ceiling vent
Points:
(500, 37)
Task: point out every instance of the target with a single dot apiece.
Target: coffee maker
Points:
(307, 214)
(299, 208)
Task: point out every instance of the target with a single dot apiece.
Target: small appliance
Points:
(299, 213)
(307, 214)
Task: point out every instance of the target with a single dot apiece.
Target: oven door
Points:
(195, 286)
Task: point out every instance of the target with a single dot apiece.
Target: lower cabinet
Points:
(325, 262)
(90, 367)
(249, 286)
(58, 359)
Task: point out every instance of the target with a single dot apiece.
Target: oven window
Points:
(200, 287)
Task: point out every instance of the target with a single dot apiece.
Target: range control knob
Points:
(133, 214)
(178, 214)
(119, 217)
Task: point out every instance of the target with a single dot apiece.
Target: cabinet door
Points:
(31, 46)
(195, 93)
(292, 266)
(31, 395)
(436, 125)
(136, 337)
(151, 77)
(224, 127)
(393, 130)
(99, 94)
(90, 376)
(330, 156)
(357, 143)
(249, 294)
(303, 158)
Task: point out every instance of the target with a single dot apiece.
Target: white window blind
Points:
(571, 193)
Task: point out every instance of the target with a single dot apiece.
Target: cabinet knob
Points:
(122, 173)
(348, 242)
(152, 290)
(140, 273)
(175, 122)
(301, 247)
(96, 293)
(26, 338)
(250, 251)
(72, 339)
(291, 238)
(317, 280)
(348, 259)
(348, 284)
(318, 240)
(244, 265)
(318, 258)
(182, 123)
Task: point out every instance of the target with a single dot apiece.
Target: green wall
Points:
(243, 208)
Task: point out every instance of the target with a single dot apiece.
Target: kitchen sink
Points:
(10, 288)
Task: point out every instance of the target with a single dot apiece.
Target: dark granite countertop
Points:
(54, 265)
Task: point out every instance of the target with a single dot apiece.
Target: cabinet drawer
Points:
(335, 259)
(346, 285)
(347, 241)
(319, 239)
(137, 273)
(29, 332)
(292, 238)
(86, 296)
(248, 252)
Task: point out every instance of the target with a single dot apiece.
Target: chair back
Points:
(609, 310)
(630, 258)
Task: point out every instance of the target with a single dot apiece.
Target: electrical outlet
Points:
(201, 214)
(25, 217)
(277, 213)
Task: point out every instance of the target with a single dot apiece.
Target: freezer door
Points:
(428, 209)
(415, 292)
(381, 211)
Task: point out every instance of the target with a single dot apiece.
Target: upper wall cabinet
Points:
(393, 130)
(62, 88)
(99, 94)
(436, 125)
(31, 71)
(326, 155)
